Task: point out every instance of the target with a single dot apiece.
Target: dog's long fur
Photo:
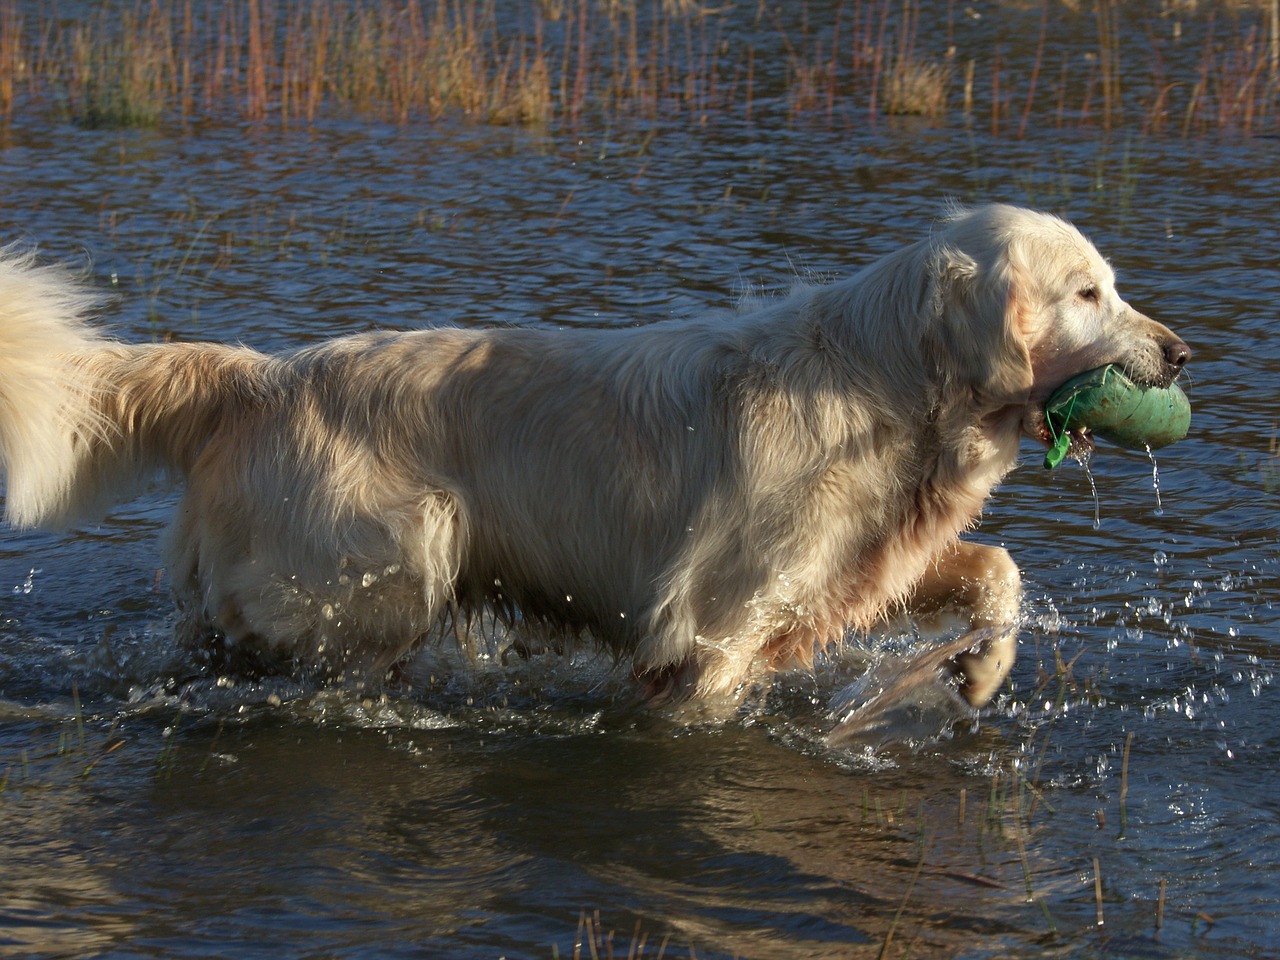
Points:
(705, 496)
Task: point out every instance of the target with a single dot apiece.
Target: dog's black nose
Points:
(1176, 354)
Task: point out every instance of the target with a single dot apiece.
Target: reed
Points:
(13, 65)
(591, 940)
(906, 896)
(75, 756)
(917, 87)
(533, 62)
(1107, 14)
(914, 84)
(119, 74)
(1124, 786)
(1273, 41)
(1097, 892)
(1035, 71)
(1270, 468)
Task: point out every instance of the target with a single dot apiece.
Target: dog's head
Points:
(1050, 301)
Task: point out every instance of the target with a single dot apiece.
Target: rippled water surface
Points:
(1120, 799)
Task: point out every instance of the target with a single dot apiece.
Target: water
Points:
(478, 811)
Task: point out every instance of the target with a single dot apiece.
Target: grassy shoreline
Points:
(1190, 72)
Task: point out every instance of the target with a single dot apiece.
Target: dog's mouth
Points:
(1080, 442)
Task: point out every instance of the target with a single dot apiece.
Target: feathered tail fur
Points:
(84, 419)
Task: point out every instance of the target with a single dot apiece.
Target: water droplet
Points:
(1093, 487)
(1160, 559)
(1155, 481)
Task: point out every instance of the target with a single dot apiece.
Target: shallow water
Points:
(478, 812)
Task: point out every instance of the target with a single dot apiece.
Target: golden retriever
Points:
(711, 498)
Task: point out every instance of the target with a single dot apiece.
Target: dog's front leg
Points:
(983, 585)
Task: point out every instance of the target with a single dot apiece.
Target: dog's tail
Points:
(84, 420)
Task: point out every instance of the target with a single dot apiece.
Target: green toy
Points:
(1114, 407)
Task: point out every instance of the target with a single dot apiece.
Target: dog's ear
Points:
(980, 308)
(1015, 376)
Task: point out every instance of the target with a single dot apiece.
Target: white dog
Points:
(711, 498)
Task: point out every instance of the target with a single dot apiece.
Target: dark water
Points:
(478, 812)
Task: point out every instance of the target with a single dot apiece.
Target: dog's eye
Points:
(1089, 294)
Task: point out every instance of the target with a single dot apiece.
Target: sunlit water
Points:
(478, 810)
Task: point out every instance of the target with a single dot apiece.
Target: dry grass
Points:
(917, 87)
(915, 84)
(120, 81)
(532, 62)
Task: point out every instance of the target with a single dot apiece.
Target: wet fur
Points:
(709, 497)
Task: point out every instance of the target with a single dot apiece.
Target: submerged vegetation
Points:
(1181, 68)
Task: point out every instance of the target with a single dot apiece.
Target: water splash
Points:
(27, 585)
(1155, 481)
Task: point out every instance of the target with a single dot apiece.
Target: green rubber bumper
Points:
(1115, 408)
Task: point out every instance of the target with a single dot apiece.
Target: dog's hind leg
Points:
(435, 559)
